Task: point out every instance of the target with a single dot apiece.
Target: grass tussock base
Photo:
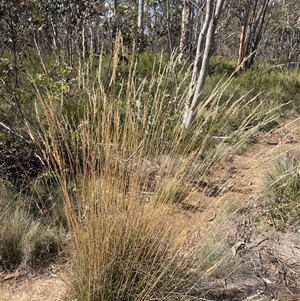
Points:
(24, 242)
(131, 255)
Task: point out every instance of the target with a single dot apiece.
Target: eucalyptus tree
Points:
(184, 29)
(162, 24)
(141, 15)
(253, 20)
(213, 10)
(282, 40)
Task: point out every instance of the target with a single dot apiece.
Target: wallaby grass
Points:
(121, 163)
(25, 242)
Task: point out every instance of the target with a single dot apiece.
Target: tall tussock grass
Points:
(123, 161)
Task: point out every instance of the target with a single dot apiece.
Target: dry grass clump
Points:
(24, 242)
(283, 185)
(122, 161)
(132, 255)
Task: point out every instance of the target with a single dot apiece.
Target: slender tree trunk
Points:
(191, 33)
(251, 33)
(205, 40)
(141, 25)
(184, 36)
(115, 7)
(169, 20)
(141, 16)
(244, 38)
(201, 41)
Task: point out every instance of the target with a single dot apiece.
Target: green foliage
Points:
(151, 62)
(220, 66)
(26, 241)
(276, 84)
(253, 89)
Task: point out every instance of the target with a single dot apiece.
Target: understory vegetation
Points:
(94, 161)
(283, 183)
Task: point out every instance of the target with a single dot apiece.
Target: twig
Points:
(221, 137)
(137, 149)
(14, 132)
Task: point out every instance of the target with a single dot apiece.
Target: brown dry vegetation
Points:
(271, 255)
(137, 208)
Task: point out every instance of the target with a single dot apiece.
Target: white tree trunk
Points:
(184, 30)
(141, 16)
(205, 40)
(201, 41)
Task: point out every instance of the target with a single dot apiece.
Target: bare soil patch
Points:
(18, 286)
